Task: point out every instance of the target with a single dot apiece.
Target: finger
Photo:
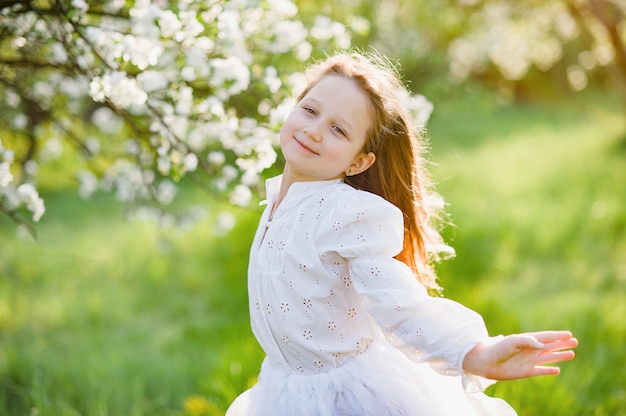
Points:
(561, 345)
(525, 341)
(546, 371)
(555, 357)
(551, 336)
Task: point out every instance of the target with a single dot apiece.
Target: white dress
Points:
(346, 328)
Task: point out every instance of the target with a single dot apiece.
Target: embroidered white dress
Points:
(346, 328)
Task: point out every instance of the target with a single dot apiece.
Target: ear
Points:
(362, 162)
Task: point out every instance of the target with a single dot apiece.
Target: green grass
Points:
(104, 316)
(537, 198)
(108, 317)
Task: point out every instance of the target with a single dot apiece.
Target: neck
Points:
(288, 179)
(285, 183)
(282, 192)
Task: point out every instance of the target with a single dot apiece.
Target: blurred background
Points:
(135, 138)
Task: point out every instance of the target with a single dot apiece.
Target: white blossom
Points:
(230, 172)
(271, 79)
(197, 139)
(284, 8)
(216, 158)
(93, 144)
(18, 42)
(241, 195)
(112, 6)
(190, 30)
(228, 25)
(117, 87)
(303, 51)
(141, 51)
(326, 29)
(212, 105)
(169, 23)
(576, 77)
(229, 71)
(58, 52)
(30, 197)
(127, 180)
(52, 149)
(75, 87)
(88, 184)
(6, 159)
(164, 164)
(166, 192)
(20, 121)
(224, 222)
(279, 114)
(6, 177)
(12, 99)
(167, 80)
(80, 5)
(31, 168)
(106, 120)
(287, 34)
(151, 80)
(418, 107)
(513, 39)
(9, 197)
(190, 162)
(184, 100)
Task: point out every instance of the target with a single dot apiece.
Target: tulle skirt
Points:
(380, 382)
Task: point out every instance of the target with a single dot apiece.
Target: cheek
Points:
(286, 134)
(282, 137)
(286, 127)
(290, 123)
(292, 117)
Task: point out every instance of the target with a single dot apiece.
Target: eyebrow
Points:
(344, 121)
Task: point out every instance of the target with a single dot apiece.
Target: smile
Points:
(305, 147)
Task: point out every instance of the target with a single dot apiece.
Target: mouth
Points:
(305, 147)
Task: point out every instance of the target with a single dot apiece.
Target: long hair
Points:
(399, 174)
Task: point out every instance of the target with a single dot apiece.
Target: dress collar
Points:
(297, 189)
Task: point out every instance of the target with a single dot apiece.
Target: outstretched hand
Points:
(520, 355)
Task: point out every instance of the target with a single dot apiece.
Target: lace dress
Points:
(346, 328)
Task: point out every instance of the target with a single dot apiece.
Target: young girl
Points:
(341, 266)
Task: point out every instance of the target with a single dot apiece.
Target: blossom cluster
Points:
(516, 38)
(14, 197)
(147, 93)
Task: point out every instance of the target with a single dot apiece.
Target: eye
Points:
(310, 110)
(339, 130)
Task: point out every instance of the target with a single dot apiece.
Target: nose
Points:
(312, 132)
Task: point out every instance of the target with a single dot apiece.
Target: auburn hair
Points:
(399, 173)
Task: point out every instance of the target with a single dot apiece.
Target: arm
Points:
(368, 231)
(520, 355)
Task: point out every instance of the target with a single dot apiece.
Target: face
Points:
(324, 135)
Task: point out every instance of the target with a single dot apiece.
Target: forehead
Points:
(338, 86)
(343, 96)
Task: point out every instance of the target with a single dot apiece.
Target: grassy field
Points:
(104, 316)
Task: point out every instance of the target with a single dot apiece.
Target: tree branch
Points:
(610, 16)
(28, 6)
(16, 218)
(29, 63)
(8, 3)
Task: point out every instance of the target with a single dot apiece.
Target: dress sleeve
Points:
(368, 232)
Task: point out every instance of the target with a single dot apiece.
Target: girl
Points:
(341, 266)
